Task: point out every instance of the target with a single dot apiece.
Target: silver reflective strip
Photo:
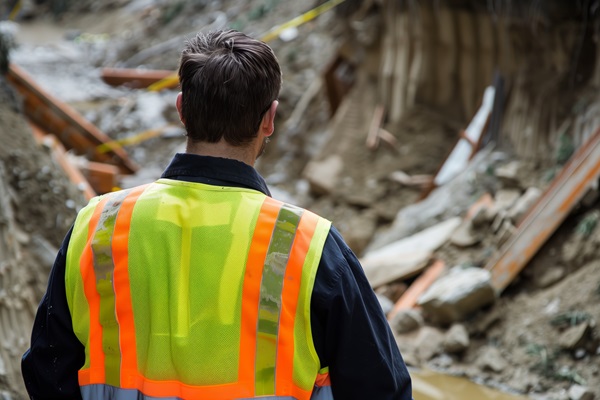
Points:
(101, 243)
(105, 392)
(322, 393)
(269, 306)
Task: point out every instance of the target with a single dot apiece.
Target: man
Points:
(202, 286)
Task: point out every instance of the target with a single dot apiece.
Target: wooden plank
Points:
(577, 176)
(102, 177)
(133, 77)
(65, 122)
(466, 146)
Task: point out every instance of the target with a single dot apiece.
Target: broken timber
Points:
(467, 145)
(133, 78)
(576, 177)
(58, 118)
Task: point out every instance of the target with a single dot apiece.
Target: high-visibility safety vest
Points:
(181, 290)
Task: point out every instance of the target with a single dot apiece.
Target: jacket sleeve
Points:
(50, 365)
(351, 334)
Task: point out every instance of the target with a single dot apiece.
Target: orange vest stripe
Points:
(170, 389)
(251, 290)
(271, 298)
(323, 380)
(291, 291)
(123, 304)
(96, 374)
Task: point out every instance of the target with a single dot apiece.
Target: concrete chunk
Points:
(323, 175)
(407, 256)
(523, 204)
(578, 392)
(457, 339)
(457, 294)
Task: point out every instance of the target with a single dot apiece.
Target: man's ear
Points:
(268, 121)
(178, 104)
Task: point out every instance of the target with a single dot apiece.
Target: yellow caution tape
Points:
(302, 19)
(15, 11)
(173, 80)
(140, 137)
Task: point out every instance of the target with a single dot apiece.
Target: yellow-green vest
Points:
(181, 290)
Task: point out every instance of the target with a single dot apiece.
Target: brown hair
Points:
(228, 82)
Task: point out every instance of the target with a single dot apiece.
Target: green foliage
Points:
(570, 318)
(547, 365)
(588, 224)
(565, 148)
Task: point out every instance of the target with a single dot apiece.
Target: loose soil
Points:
(525, 324)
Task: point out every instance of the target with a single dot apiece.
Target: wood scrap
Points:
(57, 117)
(576, 177)
(133, 78)
(419, 286)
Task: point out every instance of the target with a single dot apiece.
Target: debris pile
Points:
(474, 213)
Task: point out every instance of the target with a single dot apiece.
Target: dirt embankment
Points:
(540, 337)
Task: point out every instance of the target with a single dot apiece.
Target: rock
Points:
(457, 339)
(508, 174)
(457, 294)
(522, 380)
(574, 336)
(483, 217)
(490, 359)
(483, 323)
(505, 232)
(385, 303)
(506, 198)
(578, 392)
(429, 343)
(323, 176)
(549, 276)
(407, 321)
(408, 256)
(523, 204)
(464, 235)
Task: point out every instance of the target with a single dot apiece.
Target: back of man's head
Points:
(228, 82)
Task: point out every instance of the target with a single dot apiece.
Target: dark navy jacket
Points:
(349, 329)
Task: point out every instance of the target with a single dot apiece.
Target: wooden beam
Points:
(577, 176)
(60, 119)
(132, 77)
(103, 177)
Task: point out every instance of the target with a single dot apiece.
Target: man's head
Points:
(229, 81)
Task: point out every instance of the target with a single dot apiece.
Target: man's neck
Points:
(245, 154)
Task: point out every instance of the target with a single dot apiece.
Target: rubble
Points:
(407, 320)
(408, 256)
(362, 190)
(578, 392)
(457, 339)
(457, 294)
(574, 337)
